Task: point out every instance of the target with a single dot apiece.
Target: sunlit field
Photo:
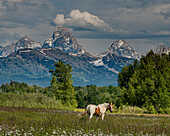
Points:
(52, 122)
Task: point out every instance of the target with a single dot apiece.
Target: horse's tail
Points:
(85, 112)
(82, 114)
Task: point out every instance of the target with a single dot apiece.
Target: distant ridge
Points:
(29, 61)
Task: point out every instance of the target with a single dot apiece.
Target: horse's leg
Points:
(97, 118)
(90, 116)
(102, 116)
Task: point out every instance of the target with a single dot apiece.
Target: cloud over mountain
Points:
(82, 21)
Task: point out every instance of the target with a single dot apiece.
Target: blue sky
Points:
(95, 23)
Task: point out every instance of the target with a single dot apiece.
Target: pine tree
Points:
(62, 84)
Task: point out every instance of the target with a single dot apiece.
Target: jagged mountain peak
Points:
(25, 38)
(26, 42)
(60, 32)
(65, 41)
(121, 48)
(62, 39)
(22, 43)
(120, 44)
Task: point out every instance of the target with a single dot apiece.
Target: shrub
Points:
(151, 110)
(161, 111)
(130, 109)
(167, 110)
(29, 100)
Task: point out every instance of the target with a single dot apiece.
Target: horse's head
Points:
(110, 107)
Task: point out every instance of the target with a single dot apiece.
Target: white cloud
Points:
(82, 21)
(59, 19)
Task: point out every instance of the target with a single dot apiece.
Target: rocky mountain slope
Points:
(5, 51)
(32, 66)
(30, 62)
(119, 54)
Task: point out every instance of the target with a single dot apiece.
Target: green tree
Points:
(126, 73)
(146, 83)
(82, 96)
(62, 84)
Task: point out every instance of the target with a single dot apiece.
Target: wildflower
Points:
(30, 134)
(32, 129)
(54, 132)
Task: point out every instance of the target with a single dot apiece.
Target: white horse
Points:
(98, 110)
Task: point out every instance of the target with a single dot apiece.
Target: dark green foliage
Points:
(147, 83)
(126, 73)
(62, 84)
(96, 95)
(16, 87)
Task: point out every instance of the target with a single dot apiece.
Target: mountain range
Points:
(29, 61)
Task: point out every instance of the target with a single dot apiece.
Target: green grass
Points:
(52, 122)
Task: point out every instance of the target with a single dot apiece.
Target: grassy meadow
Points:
(32, 122)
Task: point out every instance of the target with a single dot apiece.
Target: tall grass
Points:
(29, 122)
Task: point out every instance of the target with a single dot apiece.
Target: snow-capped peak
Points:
(120, 44)
(121, 48)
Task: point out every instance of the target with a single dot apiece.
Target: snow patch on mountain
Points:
(113, 70)
(98, 62)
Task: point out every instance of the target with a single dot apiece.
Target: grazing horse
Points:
(98, 110)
